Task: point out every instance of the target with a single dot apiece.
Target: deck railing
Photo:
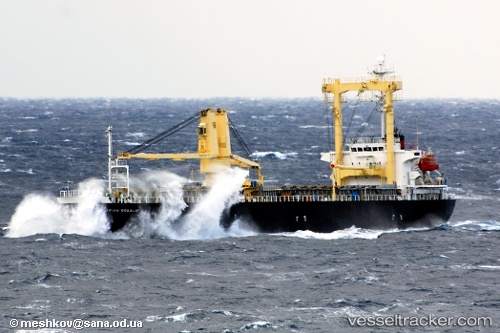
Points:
(68, 194)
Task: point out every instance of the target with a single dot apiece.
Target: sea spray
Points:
(203, 221)
(36, 214)
(42, 214)
(167, 187)
(89, 217)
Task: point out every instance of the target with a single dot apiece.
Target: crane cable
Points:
(377, 108)
(238, 137)
(165, 134)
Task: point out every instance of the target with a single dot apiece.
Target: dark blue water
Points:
(204, 279)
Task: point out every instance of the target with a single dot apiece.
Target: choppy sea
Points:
(205, 279)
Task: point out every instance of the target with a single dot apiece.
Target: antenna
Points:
(380, 69)
(110, 158)
(416, 119)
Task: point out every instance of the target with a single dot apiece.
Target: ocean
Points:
(58, 269)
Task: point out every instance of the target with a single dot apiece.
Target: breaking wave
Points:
(203, 220)
(353, 232)
(42, 214)
(470, 225)
(272, 154)
(348, 233)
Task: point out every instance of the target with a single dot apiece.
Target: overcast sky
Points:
(257, 48)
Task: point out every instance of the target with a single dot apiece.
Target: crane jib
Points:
(164, 135)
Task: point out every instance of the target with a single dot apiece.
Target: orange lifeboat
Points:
(428, 163)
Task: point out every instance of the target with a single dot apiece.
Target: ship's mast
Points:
(383, 83)
(110, 160)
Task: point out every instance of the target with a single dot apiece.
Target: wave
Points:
(135, 134)
(475, 197)
(471, 225)
(131, 143)
(353, 232)
(314, 126)
(272, 154)
(42, 214)
(29, 171)
(30, 130)
(202, 222)
(349, 233)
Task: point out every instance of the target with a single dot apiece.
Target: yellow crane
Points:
(214, 147)
(385, 85)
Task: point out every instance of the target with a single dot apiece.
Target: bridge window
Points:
(202, 130)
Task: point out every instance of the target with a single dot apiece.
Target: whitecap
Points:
(224, 312)
(132, 143)
(256, 325)
(489, 267)
(313, 126)
(273, 154)
(136, 134)
(29, 171)
(182, 318)
(29, 130)
(476, 225)
(348, 233)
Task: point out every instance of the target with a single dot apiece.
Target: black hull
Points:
(330, 216)
(323, 217)
(121, 214)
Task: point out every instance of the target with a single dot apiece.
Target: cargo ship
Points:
(376, 182)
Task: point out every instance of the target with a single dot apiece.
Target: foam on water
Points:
(476, 225)
(349, 233)
(353, 232)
